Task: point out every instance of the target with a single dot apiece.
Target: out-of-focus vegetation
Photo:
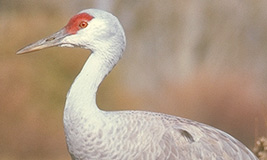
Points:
(260, 148)
(203, 60)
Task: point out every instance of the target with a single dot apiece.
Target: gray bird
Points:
(125, 135)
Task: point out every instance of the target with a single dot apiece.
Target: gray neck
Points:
(106, 52)
(82, 94)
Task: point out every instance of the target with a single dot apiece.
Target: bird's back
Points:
(147, 135)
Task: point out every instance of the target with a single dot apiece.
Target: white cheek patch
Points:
(67, 45)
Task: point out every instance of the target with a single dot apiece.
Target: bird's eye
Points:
(83, 24)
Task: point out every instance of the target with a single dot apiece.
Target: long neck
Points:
(82, 94)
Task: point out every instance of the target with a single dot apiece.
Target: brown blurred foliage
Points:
(203, 60)
(260, 148)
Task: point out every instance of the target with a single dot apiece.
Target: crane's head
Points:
(90, 29)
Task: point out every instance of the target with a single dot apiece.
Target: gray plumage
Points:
(147, 135)
(125, 135)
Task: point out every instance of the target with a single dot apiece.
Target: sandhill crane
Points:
(95, 134)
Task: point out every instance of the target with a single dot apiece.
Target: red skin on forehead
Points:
(73, 26)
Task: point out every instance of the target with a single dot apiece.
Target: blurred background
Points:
(203, 60)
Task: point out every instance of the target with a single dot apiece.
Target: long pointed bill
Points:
(51, 41)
